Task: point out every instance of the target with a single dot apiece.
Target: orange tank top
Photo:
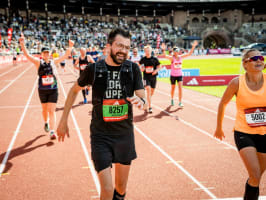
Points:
(251, 108)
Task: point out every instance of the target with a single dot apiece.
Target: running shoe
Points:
(85, 101)
(150, 110)
(46, 127)
(87, 91)
(172, 102)
(180, 105)
(52, 135)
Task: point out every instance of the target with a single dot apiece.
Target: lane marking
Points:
(209, 188)
(198, 106)
(86, 167)
(30, 106)
(241, 198)
(195, 127)
(170, 162)
(2, 166)
(4, 174)
(94, 175)
(4, 73)
(175, 163)
(2, 90)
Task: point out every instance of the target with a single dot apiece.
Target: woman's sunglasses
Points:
(255, 58)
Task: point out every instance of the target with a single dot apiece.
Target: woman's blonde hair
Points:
(246, 52)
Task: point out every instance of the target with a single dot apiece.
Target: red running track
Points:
(178, 158)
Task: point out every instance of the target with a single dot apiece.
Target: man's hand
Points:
(62, 130)
(137, 101)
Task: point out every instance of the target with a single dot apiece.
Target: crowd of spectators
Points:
(85, 32)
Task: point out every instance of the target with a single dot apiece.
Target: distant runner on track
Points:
(48, 89)
(176, 70)
(81, 64)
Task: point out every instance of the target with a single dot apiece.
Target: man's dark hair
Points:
(118, 31)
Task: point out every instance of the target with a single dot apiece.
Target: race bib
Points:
(256, 116)
(47, 80)
(115, 110)
(82, 66)
(149, 69)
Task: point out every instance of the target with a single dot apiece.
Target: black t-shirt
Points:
(150, 64)
(113, 91)
(82, 64)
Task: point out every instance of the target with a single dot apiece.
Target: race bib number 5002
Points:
(256, 116)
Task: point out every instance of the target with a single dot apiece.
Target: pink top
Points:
(176, 67)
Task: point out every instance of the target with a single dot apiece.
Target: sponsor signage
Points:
(164, 72)
(207, 80)
(219, 51)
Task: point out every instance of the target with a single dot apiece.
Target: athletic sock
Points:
(251, 193)
(118, 196)
(84, 94)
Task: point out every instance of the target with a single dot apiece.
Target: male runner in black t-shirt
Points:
(81, 64)
(112, 135)
(150, 66)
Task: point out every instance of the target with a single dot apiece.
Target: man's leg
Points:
(121, 178)
(105, 178)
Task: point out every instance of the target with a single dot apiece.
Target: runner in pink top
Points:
(176, 70)
(176, 67)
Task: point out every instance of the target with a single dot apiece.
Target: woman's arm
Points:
(231, 90)
(68, 52)
(34, 60)
(195, 43)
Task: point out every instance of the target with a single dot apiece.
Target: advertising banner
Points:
(207, 80)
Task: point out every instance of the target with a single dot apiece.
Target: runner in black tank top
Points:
(48, 91)
(82, 62)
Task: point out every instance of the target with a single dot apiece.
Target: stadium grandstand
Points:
(214, 23)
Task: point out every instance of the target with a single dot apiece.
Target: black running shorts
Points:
(150, 82)
(107, 149)
(48, 96)
(175, 79)
(243, 140)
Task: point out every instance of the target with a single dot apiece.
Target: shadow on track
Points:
(22, 150)
(74, 106)
(163, 113)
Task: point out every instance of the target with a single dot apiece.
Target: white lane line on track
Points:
(175, 163)
(30, 106)
(2, 166)
(198, 106)
(91, 167)
(241, 198)
(4, 73)
(2, 90)
(195, 127)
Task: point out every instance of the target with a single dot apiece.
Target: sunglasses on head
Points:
(255, 58)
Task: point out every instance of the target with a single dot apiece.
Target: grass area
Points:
(212, 66)
(218, 66)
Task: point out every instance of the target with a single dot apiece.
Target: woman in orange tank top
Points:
(250, 123)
